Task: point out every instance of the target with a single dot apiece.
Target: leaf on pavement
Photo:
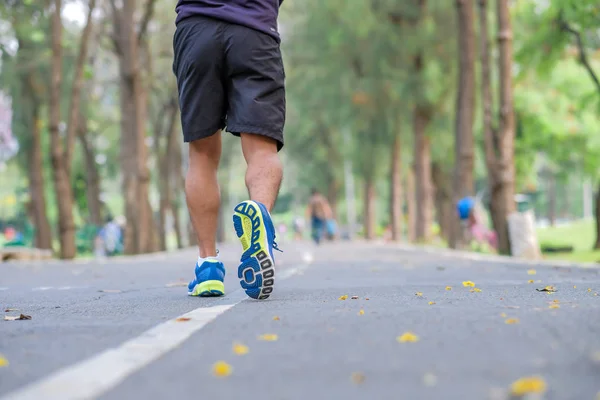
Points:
(358, 378)
(468, 284)
(556, 301)
(549, 289)
(182, 319)
(589, 289)
(475, 290)
(528, 385)
(531, 272)
(448, 287)
(554, 306)
(110, 291)
(354, 297)
(222, 369)
(512, 321)
(530, 281)
(3, 361)
(276, 318)
(11, 310)
(21, 317)
(419, 294)
(240, 349)
(431, 303)
(407, 337)
(366, 298)
(344, 297)
(361, 312)
(268, 337)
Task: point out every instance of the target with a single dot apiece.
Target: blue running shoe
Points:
(255, 230)
(209, 279)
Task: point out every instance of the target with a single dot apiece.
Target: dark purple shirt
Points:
(256, 14)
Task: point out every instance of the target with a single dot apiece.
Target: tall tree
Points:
(422, 115)
(499, 143)
(60, 169)
(139, 235)
(465, 111)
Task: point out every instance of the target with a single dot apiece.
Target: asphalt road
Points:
(326, 348)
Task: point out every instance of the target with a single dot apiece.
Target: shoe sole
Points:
(257, 269)
(208, 289)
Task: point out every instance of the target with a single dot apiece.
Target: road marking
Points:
(90, 378)
(41, 288)
(96, 375)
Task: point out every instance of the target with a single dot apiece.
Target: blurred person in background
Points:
(471, 217)
(321, 216)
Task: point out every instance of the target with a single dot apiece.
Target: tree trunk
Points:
(60, 170)
(597, 245)
(552, 199)
(139, 236)
(396, 189)
(424, 187)
(443, 199)
(177, 224)
(499, 145)
(43, 232)
(75, 102)
(369, 211)
(92, 174)
(465, 111)
(411, 205)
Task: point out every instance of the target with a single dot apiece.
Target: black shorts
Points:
(228, 76)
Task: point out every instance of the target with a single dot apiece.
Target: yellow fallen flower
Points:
(419, 294)
(344, 297)
(528, 385)
(554, 306)
(3, 361)
(448, 287)
(222, 369)
(531, 272)
(407, 337)
(475, 290)
(512, 321)
(361, 312)
(431, 303)
(240, 349)
(468, 284)
(268, 337)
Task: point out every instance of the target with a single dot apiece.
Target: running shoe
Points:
(209, 279)
(254, 228)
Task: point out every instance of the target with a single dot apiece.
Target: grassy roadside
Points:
(579, 234)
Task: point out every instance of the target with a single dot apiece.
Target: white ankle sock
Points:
(210, 258)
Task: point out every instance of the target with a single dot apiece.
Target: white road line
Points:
(94, 376)
(90, 378)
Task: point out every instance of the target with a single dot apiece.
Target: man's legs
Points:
(264, 171)
(202, 191)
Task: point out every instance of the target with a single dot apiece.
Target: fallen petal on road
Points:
(407, 337)
(222, 369)
(528, 385)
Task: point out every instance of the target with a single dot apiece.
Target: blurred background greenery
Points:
(385, 115)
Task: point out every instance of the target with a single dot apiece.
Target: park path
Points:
(110, 330)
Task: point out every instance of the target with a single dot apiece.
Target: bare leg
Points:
(265, 171)
(202, 191)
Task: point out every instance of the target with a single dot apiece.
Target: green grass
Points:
(579, 234)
